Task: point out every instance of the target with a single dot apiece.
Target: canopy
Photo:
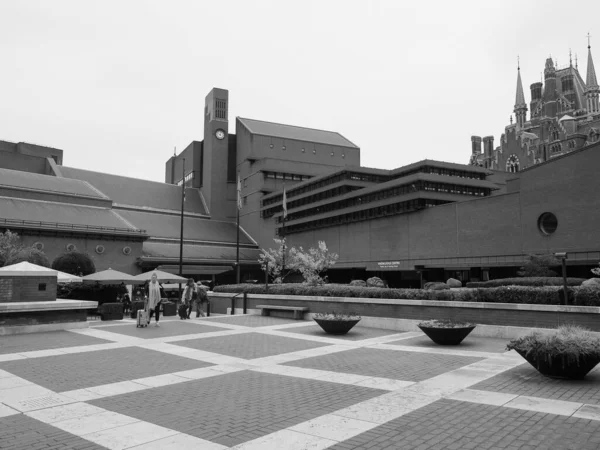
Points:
(110, 276)
(25, 266)
(163, 277)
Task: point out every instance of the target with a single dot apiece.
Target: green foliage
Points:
(31, 255)
(545, 295)
(570, 342)
(596, 270)
(111, 311)
(101, 293)
(312, 264)
(75, 263)
(272, 260)
(10, 246)
(445, 323)
(539, 266)
(337, 316)
(526, 281)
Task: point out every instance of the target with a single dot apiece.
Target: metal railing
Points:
(69, 226)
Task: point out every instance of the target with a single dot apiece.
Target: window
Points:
(42, 287)
(547, 223)
(512, 164)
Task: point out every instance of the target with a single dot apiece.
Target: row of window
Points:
(284, 148)
(336, 192)
(286, 176)
(367, 214)
(188, 177)
(375, 178)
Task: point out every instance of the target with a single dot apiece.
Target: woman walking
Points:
(190, 294)
(154, 298)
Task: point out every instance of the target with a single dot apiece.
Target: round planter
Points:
(556, 367)
(336, 326)
(447, 336)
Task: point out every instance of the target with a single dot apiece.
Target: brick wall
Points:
(27, 288)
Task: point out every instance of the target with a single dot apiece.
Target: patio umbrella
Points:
(25, 266)
(110, 276)
(163, 277)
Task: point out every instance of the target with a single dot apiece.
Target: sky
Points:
(118, 85)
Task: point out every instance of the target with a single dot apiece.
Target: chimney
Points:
(475, 145)
(488, 146)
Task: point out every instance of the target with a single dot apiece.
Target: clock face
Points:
(220, 134)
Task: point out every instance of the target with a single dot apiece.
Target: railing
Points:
(67, 226)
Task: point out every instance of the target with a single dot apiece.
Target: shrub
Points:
(544, 295)
(337, 316)
(569, 341)
(539, 266)
(362, 283)
(445, 323)
(75, 263)
(31, 255)
(375, 282)
(101, 293)
(111, 311)
(525, 281)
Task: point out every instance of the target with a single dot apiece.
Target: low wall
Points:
(404, 314)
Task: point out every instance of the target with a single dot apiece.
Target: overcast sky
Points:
(118, 84)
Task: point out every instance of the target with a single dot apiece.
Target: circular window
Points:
(126, 250)
(39, 246)
(547, 223)
(100, 249)
(71, 247)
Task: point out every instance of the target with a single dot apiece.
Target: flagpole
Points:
(284, 207)
(237, 248)
(181, 231)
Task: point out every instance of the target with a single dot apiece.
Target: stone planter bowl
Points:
(336, 326)
(556, 367)
(447, 336)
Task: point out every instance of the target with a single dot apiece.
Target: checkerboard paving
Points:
(256, 383)
(44, 341)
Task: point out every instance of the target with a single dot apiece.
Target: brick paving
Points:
(20, 432)
(355, 334)
(167, 328)
(471, 343)
(45, 341)
(237, 407)
(83, 370)
(397, 365)
(453, 425)
(249, 345)
(251, 320)
(232, 405)
(525, 380)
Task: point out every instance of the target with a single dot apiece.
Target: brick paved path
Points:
(256, 383)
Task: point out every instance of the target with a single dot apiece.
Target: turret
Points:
(536, 96)
(520, 105)
(550, 95)
(488, 146)
(475, 145)
(592, 92)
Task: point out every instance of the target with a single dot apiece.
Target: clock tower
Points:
(215, 157)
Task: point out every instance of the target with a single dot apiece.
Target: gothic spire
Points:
(591, 80)
(520, 99)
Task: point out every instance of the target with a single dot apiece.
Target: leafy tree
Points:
(274, 260)
(539, 266)
(75, 263)
(10, 246)
(312, 264)
(596, 270)
(31, 255)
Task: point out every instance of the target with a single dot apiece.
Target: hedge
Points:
(545, 295)
(526, 281)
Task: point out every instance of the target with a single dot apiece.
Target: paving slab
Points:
(251, 320)
(250, 345)
(45, 341)
(84, 370)
(355, 334)
(471, 343)
(167, 328)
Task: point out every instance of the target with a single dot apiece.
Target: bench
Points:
(297, 310)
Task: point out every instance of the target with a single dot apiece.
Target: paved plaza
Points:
(256, 383)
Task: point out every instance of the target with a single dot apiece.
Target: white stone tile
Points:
(129, 435)
(334, 427)
(105, 420)
(161, 380)
(81, 395)
(13, 382)
(65, 412)
(42, 353)
(178, 442)
(385, 384)
(544, 405)
(590, 412)
(11, 357)
(229, 368)
(221, 359)
(41, 402)
(23, 392)
(7, 411)
(375, 412)
(123, 387)
(288, 440)
(483, 397)
(5, 374)
(197, 374)
(342, 378)
(408, 398)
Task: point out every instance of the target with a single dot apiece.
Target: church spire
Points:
(592, 91)
(520, 105)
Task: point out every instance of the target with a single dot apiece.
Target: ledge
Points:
(401, 302)
(58, 305)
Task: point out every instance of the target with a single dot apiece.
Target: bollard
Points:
(208, 308)
(244, 302)
(233, 305)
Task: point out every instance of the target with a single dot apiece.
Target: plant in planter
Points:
(446, 332)
(111, 311)
(335, 323)
(567, 352)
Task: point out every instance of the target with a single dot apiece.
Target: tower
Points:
(592, 92)
(215, 157)
(520, 105)
(550, 94)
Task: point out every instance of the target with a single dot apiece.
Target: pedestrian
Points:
(189, 295)
(126, 303)
(201, 298)
(155, 295)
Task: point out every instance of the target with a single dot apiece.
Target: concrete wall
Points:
(21, 288)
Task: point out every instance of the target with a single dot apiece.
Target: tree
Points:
(539, 266)
(75, 263)
(31, 255)
(274, 259)
(596, 270)
(10, 246)
(312, 264)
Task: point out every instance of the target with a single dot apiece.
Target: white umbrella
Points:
(163, 277)
(110, 276)
(25, 266)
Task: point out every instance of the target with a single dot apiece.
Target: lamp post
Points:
(563, 258)
(181, 230)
